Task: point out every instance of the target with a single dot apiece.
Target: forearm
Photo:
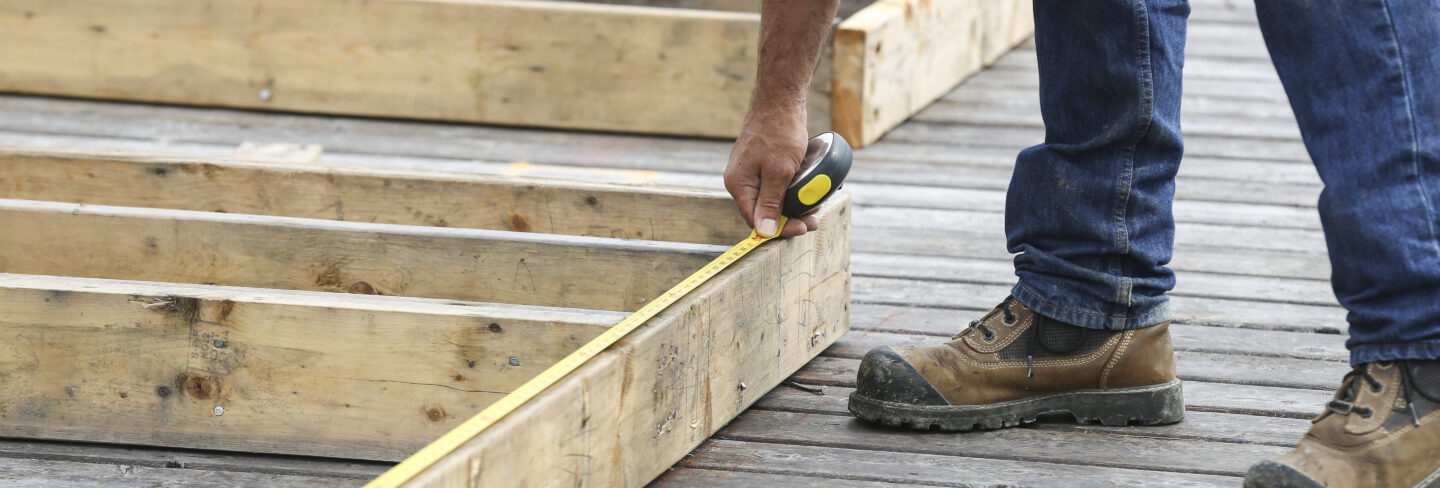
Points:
(792, 34)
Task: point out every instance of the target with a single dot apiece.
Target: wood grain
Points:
(936, 469)
(321, 374)
(382, 196)
(634, 410)
(321, 255)
(553, 64)
(896, 56)
(31, 473)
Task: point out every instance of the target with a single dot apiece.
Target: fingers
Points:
(802, 224)
(793, 228)
(774, 180)
(744, 196)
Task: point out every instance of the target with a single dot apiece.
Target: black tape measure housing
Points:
(827, 162)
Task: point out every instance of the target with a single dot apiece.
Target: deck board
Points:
(928, 257)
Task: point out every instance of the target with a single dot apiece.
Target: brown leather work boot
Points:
(1382, 430)
(1013, 365)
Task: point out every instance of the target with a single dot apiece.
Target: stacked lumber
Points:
(297, 309)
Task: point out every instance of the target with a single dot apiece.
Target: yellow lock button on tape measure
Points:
(827, 162)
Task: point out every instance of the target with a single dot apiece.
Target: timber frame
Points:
(681, 67)
(299, 309)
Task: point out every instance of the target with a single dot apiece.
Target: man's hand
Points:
(764, 160)
(772, 142)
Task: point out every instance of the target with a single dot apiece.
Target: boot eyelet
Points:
(1364, 412)
(988, 338)
(1376, 389)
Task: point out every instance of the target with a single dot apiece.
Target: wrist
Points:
(773, 112)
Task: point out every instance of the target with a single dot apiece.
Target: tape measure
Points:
(826, 163)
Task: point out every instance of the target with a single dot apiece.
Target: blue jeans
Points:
(1089, 210)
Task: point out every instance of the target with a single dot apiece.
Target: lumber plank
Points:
(371, 195)
(33, 473)
(1298, 241)
(1070, 448)
(915, 469)
(321, 255)
(1265, 128)
(896, 56)
(993, 200)
(670, 71)
(354, 376)
(635, 409)
(1190, 283)
(1020, 137)
(1026, 100)
(726, 478)
(986, 243)
(946, 467)
(1205, 426)
(152, 457)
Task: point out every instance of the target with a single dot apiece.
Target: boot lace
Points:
(1036, 335)
(1346, 404)
(1408, 384)
(986, 332)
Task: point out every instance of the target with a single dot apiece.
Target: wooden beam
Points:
(553, 64)
(896, 56)
(308, 254)
(634, 410)
(371, 195)
(295, 372)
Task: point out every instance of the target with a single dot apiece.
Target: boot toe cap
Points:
(885, 375)
(1270, 474)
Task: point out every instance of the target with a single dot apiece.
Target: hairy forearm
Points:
(792, 34)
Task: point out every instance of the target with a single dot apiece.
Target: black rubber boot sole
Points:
(1146, 405)
(1270, 474)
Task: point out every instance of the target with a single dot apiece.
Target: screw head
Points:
(219, 410)
(265, 94)
(742, 385)
(219, 344)
(514, 361)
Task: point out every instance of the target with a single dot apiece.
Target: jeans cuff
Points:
(1394, 352)
(1091, 319)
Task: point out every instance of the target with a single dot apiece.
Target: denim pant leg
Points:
(1363, 77)
(1089, 210)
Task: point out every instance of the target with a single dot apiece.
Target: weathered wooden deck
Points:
(1258, 334)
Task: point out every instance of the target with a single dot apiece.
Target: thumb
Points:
(774, 180)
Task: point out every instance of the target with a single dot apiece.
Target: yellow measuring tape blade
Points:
(407, 470)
